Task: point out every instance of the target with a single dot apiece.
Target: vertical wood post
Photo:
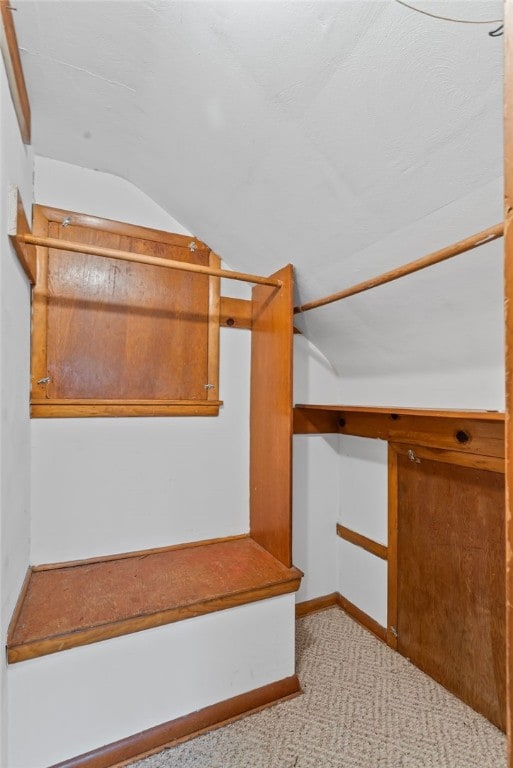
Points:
(508, 274)
(271, 417)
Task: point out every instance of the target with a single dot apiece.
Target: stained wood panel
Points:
(369, 545)
(235, 313)
(451, 589)
(109, 331)
(473, 432)
(271, 417)
(508, 288)
(79, 603)
(20, 226)
(14, 70)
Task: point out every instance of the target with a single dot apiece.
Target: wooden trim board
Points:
(84, 603)
(214, 302)
(20, 225)
(508, 289)
(316, 604)
(59, 216)
(14, 70)
(369, 545)
(474, 460)
(315, 421)
(235, 313)
(393, 411)
(472, 432)
(362, 618)
(66, 409)
(169, 734)
(335, 599)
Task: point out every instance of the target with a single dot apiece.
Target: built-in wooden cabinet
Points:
(118, 338)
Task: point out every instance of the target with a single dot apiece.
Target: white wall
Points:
(433, 339)
(316, 487)
(65, 704)
(102, 486)
(101, 194)
(15, 170)
(363, 474)
(363, 483)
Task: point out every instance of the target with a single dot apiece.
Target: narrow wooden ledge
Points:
(393, 411)
(75, 604)
(472, 432)
(73, 409)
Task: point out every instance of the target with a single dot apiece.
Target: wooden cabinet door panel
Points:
(118, 333)
(451, 587)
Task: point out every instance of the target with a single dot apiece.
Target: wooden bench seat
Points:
(72, 604)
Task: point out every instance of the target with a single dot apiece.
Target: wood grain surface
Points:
(369, 545)
(462, 246)
(26, 253)
(14, 71)
(112, 337)
(83, 603)
(508, 291)
(451, 588)
(362, 618)
(316, 604)
(271, 417)
(473, 432)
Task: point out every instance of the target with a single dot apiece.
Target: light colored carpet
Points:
(364, 706)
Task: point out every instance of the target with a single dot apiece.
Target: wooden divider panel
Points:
(14, 71)
(113, 337)
(508, 262)
(271, 417)
(451, 579)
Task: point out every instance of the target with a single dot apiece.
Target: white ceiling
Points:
(344, 137)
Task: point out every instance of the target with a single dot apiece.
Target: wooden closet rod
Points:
(486, 236)
(154, 261)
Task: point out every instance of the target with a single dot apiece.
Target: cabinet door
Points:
(451, 587)
(119, 333)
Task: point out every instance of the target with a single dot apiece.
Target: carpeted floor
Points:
(364, 706)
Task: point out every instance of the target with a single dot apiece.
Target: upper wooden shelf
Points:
(389, 411)
(471, 432)
(71, 604)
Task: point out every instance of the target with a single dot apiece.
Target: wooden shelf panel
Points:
(51, 409)
(472, 432)
(428, 412)
(79, 603)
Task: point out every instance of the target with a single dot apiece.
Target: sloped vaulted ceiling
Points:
(344, 137)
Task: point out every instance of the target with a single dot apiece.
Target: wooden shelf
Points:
(430, 412)
(45, 408)
(472, 432)
(70, 604)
